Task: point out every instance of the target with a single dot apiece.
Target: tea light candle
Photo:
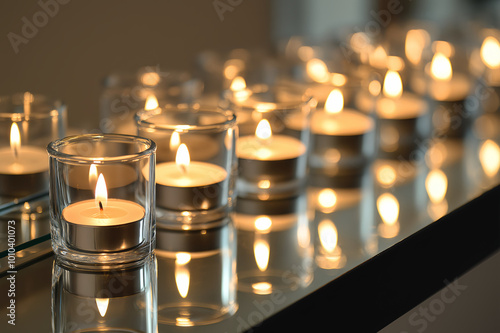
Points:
(265, 156)
(186, 186)
(342, 139)
(23, 169)
(401, 116)
(102, 224)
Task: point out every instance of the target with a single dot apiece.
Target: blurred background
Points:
(78, 43)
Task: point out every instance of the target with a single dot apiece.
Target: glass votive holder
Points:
(121, 298)
(197, 274)
(102, 198)
(28, 123)
(342, 142)
(195, 167)
(149, 87)
(275, 250)
(403, 120)
(273, 124)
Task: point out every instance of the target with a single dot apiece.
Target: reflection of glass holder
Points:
(197, 270)
(343, 224)
(93, 299)
(274, 245)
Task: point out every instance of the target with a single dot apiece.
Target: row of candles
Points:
(187, 163)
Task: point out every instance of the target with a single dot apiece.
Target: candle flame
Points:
(489, 156)
(436, 185)
(151, 103)
(416, 40)
(263, 223)
(92, 175)
(102, 305)
(182, 158)
(101, 193)
(238, 84)
(388, 208)
(15, 140)
(327, 199)
(490, 52)
(261, 252)
(393, 86)
(441, 67)
(317, 70)
(335, 101)
(328, 235)
(263, 130)
(182, 274)
(175, 141)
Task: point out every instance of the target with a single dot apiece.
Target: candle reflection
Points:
(102, 305)
(489, 156)
(490, 52)
(416, 41)
(182, 275)
(388, 209)
(436, 185)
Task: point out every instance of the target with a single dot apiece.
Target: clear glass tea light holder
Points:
(118, 298)
(273, 124)
(197, 274)
(28, 123)
(102, 198)
(196, 163)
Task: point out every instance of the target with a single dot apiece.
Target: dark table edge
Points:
(385, 287)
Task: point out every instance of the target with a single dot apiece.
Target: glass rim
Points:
(141, 118)
(55, 107)
(54, 146)
(305, 98)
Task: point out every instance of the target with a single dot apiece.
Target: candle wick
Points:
(183, 168)
(100, 206)
(16, 154)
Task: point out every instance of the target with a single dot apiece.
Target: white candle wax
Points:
(197, 174)
(117, 212)
(29, 160)
(344, 123)
(407, 106)
(278, 147)
(456, 89)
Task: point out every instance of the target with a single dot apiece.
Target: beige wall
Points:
(85, 40)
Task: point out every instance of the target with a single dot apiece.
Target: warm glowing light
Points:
(335, 101)
(305, 53)
(393, 86)
(489, 156)
(93, 175)
(379, 57)
(151, 103)
(443, 47)
(416, 40)
(395, 63)
(436, 155)
(490, 52)
(262, 288)
(238, 84)
(338, 79)
(264, 184)
(150, 79)
(263, 223)
(101, 193)
(261, 252)
(232, 67)
(263, 130)
(175, 141)
(328, 235)
(327, 198)
(388, 208)
(15, 140)
(386, 175)
(102, 305)
(374, 87)
(317, 70)
(182, 158)
(441, 67)
(436, 185)
(182, 275)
